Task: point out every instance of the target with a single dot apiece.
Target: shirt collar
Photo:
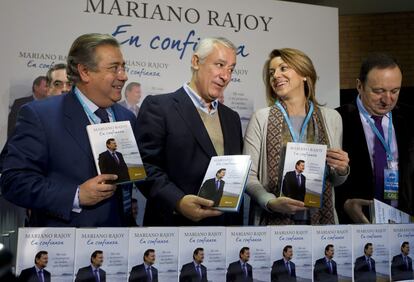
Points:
(94, 268)
(198, 101)
(91, 105)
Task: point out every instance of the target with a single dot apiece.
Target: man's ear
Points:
(195, 62)
(359, 85)
(84, 73)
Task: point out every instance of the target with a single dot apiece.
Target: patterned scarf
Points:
(278, 135)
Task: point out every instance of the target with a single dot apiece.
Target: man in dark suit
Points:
(284, 270)
(37, 273)
(378, 86)
(49, 166)
(112, 162)
(194, 271)
(93, 272)
(132, 97)
(212, 189)
(241, 270)
(181, 131)
(364, 268)
(39, 89)
(145, 272)
(294, 182)
(325, 268)
(402, 264)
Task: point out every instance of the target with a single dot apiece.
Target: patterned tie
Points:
(115, 157)
(288, 268)
(369, 264)
(199, 271)
(218, 184)
(40, 274)
(380, 161)
(102, 114)
(245, 270)
(149, 276)
(330, 267)
(95, 273)
(298, 177)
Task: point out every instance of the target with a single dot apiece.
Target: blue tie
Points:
(96, 275)
(149, 276)
(199, 271)
(288, 268)
(380, 161)
(40, 274)
(102, 114)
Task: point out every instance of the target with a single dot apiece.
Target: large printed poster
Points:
(158, 38)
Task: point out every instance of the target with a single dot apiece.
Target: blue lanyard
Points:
(92, 116)
(289, 123)
(387, 146)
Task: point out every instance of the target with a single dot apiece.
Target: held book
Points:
(383, 213)
(225, 181)
(304, 173)
(115, 151)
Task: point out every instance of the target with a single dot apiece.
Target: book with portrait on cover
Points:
(304, 173)
(225, 181)
(115, 151)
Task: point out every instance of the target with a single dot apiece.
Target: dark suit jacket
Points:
(189, 274)
(48, 157)
(108, 164)
(85, 274)
(14, 110)
(360, 181)
(139, 274)
(176, 150)
(321, 271)
(399, 270)
(291, 188)
(30, 275)
(362, 272)
(235, 273)
(281, 274)
(209, 190)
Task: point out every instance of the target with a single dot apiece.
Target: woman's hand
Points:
(338, 159)
(285, 205)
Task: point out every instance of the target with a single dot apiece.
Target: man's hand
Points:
(285, 205)
(338, 159)
(95, 190)
(353, 207)
(196, 208)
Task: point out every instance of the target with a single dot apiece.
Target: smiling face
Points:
(213, 74)
(103, 86)
(284, 80)
(379, 94)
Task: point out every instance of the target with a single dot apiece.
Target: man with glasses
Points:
(48, 165)
(194, 271)
(38, 271)
(325, 269)
(57, 80)
(377, 134)
(241, 270)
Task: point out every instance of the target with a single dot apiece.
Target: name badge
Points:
(391, 183)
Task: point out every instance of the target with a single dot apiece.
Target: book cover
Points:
(304, 173)
(335, 243)
(115, 151)
(212, 240)
(59, 243)
(225, 181)
(257, 240)
(109, 246)
(382, 213)
(401, 240)
(370, 241)
(160, 245)
(296, 240)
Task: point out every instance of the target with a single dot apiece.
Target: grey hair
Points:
(82, 52)
(206, 46)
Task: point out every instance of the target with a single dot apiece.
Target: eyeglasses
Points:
(116, 69)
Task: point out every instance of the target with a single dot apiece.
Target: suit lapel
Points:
(192, 120)
(75, 122)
